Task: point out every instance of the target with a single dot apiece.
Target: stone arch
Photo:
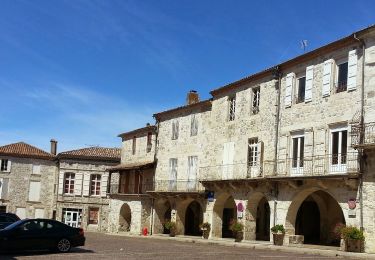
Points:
(125, 218)
(257, 222)
(181, 210)
(162, 214)
(193, 218)
(314, 214)
(224, 210)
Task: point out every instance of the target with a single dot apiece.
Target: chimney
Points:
(53, 146)
(192, 97)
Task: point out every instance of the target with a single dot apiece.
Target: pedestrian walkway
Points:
(318, 250)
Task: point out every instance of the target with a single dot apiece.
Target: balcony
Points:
(131, 188)
(315, 166)
(341, 86)
(190, 186)
(363, 136)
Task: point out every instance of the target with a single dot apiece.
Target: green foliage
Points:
(205, 226)
(351, 232)
(236, 226)
(170, 225)
(278, 229)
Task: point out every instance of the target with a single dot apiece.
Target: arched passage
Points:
(257, 224)
(314, 215)
(224, 213)
(125, 218)
(193, 217)
(162, 215)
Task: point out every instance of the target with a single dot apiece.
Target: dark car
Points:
(38, 234)
(7, 218)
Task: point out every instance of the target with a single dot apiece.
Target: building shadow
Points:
(10, 255)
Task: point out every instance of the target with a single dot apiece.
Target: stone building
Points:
(27, 180)
(130, 181)
(81, 199)
(289, 145)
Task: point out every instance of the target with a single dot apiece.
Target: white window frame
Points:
(298, 170)
(95, 184)
(255, 102)
(339, 167)
(70, 179)
(70, 214)
(337, 65)
(231, 108)
(298, 90)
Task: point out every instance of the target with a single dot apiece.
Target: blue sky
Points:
(84, 71)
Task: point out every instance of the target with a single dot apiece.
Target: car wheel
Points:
(63, 245)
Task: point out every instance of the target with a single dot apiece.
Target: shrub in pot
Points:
(171, 226)
(278, 233)
(354, 239)
(206, 228)
(237, 228)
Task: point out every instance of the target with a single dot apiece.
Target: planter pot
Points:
(206, 233)
(353, 245)
(172, 233)
(239, 236)
(278, 239)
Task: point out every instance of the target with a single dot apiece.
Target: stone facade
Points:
(28, 187)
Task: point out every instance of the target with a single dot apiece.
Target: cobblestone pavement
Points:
(100, 246)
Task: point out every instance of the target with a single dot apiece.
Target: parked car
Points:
(7, 218)
(38, 234)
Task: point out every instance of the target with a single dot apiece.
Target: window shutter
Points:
(1, 188)
(78, 184)
(352, 70)
(309, 83)
(39, 213)
(289, 89)
(260, 153)
(34, 191)
(61, 183)
(36, 169)
(103, 185)
(4, 188)
(9, 165)
(327, 77)
(228, 157)
(86, 184)
(194, 125)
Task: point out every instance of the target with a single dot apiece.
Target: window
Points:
(172, 174)
(93, 216)
(5, 165)
(32, 225)
(134, 145)
(4, 188)
(149, 142)
(298, 143)
(232, 108)
(301, 89)
(193, 125)
(72, 217)
(3, 209)
(256, 99)
(253, 152)
(69, 183)
(339, 142)
(342, 77)
(175, 130)
(36, 169)
(34, 191)
(95, 184)
(192, 172)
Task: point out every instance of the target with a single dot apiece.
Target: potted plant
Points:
(171, 226)
(278, 233)
(205, 227)
(337, 235)
(354, 239)
(237, 228)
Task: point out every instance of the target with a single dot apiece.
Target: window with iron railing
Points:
(256, 100)
(342, 77)
(232, 108)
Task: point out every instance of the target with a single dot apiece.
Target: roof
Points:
(130, 166)
(146, 129)
(292, 62)
(25, 150)
(204, 103)
(93, 153)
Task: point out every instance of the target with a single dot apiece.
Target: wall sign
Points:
(240, 210)
(352, 203)
(210, 196)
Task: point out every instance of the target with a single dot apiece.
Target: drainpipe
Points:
(361, 163)
(277, 76)
(155, 161)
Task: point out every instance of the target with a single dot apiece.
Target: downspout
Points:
(277, 76)
(155, 162)
(361, 163)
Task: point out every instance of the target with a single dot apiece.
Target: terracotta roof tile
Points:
(93, 153)
(22, 149)
(129, 166)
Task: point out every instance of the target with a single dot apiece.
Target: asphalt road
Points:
(100, 246)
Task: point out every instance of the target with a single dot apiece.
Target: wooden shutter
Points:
(194, 125)
(289, 89)
(352, 70)
(228, 158)
(39, 213)
(327, 77)
(103, 185)
(4, 188)
(86, 184)
(309, 83)
(34, 191)
(61, 183)
(260, 153)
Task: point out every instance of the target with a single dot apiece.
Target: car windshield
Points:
(14, 224)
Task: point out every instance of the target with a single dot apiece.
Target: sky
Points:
(83, 72)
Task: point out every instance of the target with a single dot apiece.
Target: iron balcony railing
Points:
(363, 135)
(319, 165)
(131, 188)
(178, 186)
(341, 86)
